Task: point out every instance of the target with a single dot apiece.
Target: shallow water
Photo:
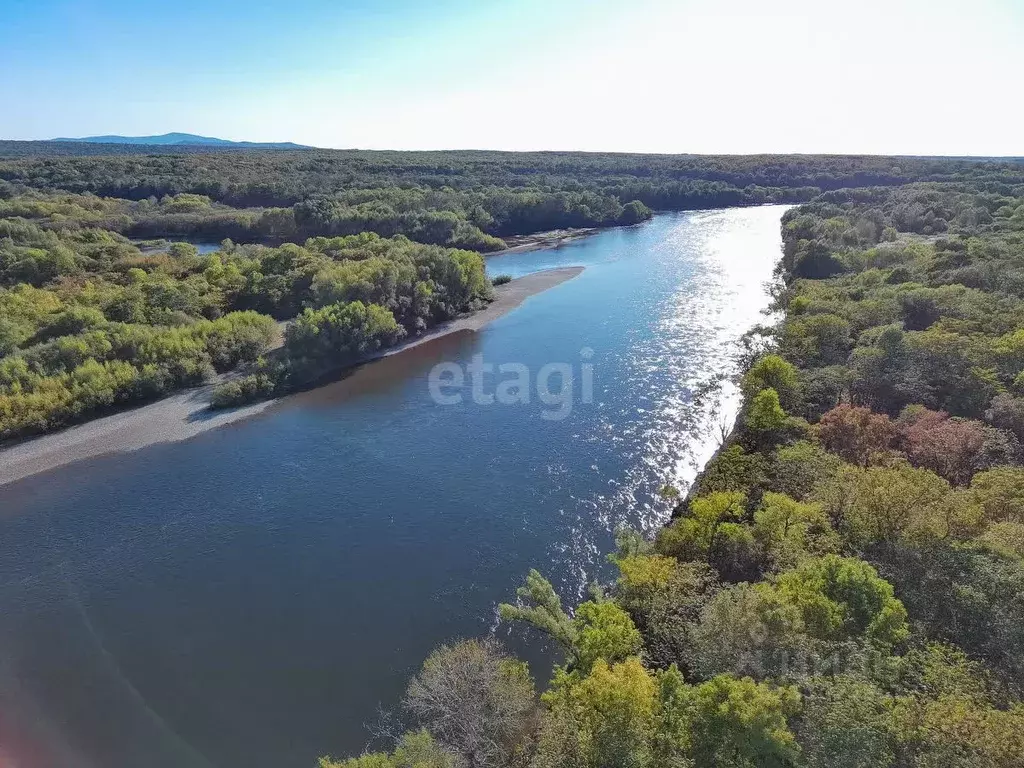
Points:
(250, 596)
(201, 248)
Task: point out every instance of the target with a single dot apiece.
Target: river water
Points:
(249, 597)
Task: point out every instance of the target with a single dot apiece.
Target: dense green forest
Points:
(88, 321)
(844, 584)
(461, 199)
(357, 249)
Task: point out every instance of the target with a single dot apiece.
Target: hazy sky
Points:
(706, 76)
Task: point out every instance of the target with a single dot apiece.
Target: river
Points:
(250, 596)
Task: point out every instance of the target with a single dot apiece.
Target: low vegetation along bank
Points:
(844, 585)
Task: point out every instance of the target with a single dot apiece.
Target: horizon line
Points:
(307, 147)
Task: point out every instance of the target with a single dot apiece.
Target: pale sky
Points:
(739, 76)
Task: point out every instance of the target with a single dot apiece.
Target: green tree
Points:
(1005, 538)
(796, 469)
(737, 723)
(787, 531)
(603, 631)
(603, 720)
(634, 212)
(773, 372)
(415, 750)
(1000, 493)
(541, 607)
(765, 419)
(691, 537)
(842, 598)
(847, 723)
(665, 598)
(338, 335)
(817, 340)
(733, 469)
(889, 503)
(599, 630)
(746, 629)
(965, 595)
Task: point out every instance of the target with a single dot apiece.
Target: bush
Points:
(244, 390)
(338, 335)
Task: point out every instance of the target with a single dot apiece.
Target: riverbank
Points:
(539, 240)
(187, 414)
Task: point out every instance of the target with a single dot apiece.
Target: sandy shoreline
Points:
(186, 415)
(551, 239)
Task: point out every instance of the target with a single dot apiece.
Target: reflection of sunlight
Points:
(681, 396)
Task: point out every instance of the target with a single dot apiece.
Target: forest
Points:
(843, 586)
(324, 256)
(88, 321)
(459, 199)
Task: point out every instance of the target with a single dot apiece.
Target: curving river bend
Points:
(251, 595)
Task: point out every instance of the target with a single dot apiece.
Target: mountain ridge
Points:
(181, 139)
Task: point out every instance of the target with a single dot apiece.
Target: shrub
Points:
(247, 389)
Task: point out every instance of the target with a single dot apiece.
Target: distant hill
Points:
(182, 139)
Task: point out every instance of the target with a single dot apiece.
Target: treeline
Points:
(89, 321)
(279, 178)
(461, 220)
(455, 198)
(844, 585)
(197, 218)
